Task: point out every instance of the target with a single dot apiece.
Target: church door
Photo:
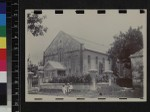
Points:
(100, 68)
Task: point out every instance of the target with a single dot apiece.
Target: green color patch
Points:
(3, 31)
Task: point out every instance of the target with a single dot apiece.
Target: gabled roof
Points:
(137, 54)
(55, 65)
(89, 45)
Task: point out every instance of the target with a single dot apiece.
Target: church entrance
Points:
(100, 70)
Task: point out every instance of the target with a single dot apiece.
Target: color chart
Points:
(3, 55)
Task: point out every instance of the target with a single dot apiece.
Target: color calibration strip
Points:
(3, 55)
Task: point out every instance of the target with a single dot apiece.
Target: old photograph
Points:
(88, 57)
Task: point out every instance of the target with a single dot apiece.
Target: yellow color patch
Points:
(2, 42)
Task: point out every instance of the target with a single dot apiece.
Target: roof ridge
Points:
(88, 44)
(74, 37)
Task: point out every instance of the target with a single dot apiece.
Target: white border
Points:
(47, 98)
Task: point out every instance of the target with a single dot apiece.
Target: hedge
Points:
(72, 79)
(124, 82)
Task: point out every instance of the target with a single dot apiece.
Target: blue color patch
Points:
(2, 19)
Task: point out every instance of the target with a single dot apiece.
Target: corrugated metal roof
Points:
(90, 45)
(137, 54)
(55, 65)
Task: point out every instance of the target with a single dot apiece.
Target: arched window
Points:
(89, 61)
(96, 61)
(60, 55)
(103, 60)
(103, 64)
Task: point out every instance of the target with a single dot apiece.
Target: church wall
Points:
(92, 65)
(73, 55)
(65, 50)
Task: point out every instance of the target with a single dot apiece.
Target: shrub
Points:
(124, 82)
(87, 78)
(73, 79)
(102, 78)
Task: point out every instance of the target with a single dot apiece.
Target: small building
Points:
(53, 69)
(75, 56)
(137, 68)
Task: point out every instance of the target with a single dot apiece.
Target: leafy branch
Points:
(34, 22)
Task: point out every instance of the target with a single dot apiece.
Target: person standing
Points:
(70, 88)
(64, 89)
(67, 86)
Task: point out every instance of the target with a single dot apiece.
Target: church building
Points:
(70, 55)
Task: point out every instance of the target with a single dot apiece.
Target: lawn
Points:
(83, 90)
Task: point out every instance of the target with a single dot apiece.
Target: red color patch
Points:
(2, 54)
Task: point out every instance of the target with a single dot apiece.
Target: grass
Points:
(84, 91)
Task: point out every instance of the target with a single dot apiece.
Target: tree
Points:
(125, 44)
(34, 22)
(31, 67)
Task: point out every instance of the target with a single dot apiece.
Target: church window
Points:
(89, 61)
(96, 61)
(103, 64)
(103, 60)
(60, 55)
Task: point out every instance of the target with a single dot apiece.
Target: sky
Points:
(99, 28)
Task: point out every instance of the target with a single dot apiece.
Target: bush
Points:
(102, 78)
(73, 79)
(124, 82)
(87, 79)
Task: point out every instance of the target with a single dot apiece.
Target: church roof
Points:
(89, 45)
(55, 65)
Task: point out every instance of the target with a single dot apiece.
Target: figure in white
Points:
(70, 88)
(64, 89)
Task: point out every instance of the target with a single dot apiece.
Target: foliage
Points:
(124, 45)
(72, 79)
(101, 78)
(31, 67)
(138, 68)
(127, 43)
(34, 22)
(78, 79)
(124, 82)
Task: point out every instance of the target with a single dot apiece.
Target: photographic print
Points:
(85, 57)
